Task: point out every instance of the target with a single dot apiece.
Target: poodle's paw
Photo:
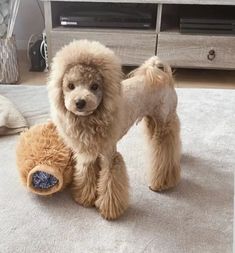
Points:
(110, 207)
(84, 196)
(164, 182)
(84, 187)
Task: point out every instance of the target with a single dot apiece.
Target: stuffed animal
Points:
(44, 162)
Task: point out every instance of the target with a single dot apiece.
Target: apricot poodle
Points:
(93, 108)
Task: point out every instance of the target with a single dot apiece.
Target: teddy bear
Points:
(44, 162)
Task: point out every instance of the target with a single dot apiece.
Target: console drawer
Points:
(197, 51)
(133, 47)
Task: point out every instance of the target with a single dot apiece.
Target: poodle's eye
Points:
(71, 86)
(94, 86)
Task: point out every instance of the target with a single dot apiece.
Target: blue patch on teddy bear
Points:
(43, 180)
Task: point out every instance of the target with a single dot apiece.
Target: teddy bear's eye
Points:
(71, 86)
(94, 86)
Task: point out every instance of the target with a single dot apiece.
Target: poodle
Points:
(93, 108)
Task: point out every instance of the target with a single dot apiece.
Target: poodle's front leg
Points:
(84, 184)
(113, 187)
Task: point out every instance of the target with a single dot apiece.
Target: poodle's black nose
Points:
(81, 103)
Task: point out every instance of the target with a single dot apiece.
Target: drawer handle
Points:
(211, 55)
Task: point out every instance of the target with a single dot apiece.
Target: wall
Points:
(29, 21)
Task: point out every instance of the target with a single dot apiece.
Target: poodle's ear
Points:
(55, 92)
(155, 72)
(56, 97)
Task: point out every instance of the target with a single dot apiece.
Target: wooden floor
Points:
(185, 78)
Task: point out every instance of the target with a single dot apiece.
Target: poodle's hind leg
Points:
(113, 186)
(84, 185)
(165, 145)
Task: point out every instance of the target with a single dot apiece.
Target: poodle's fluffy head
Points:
(82, 87)
(85, 81)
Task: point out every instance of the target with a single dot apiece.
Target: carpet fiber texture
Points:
(196, 216)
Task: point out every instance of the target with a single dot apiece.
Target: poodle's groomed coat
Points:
(93, 108)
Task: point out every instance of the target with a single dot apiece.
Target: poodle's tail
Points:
(155, 72)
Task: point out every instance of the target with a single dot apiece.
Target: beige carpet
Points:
(196, 216)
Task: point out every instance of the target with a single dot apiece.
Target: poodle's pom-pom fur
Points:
(113, 185)
(101, 125)
(84, 186)
(165, 145)
(155, 71)
(89, 53)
